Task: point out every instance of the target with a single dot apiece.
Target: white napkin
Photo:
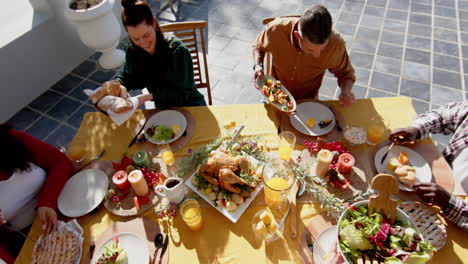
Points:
(121, 118)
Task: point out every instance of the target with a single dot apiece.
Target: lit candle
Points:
(138, 182)
(120, 180)
(325, 158)
(141, 159)
(345, 163)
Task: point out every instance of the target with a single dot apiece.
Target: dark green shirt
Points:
(168, 74)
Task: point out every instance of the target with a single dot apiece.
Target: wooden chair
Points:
(187, 33)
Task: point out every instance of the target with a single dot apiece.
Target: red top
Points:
(56, 164)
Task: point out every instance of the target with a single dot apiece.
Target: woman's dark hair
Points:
(135, 12)
(316, 24)
(14, 155)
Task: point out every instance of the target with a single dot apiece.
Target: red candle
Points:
(345, 163)
(120, 179)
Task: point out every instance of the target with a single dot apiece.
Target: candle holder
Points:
(141, 158)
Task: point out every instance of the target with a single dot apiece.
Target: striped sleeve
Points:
(457, 212)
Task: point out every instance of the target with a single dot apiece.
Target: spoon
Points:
(158, 243)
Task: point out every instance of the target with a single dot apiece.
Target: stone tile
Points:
(398, 4)
(441, 95)
(397, 14)
(420, 30)
(445, 12)
(63, 131)
(464, 38)
(420, 107)
(218, 43)
(465, 52)
(418, 56)
(78, 93)
(359, 91)
(345, 28)
(329, 87)
(67, 83)
(445, 23)
(64, 109)
(446, 78)
(424, 9)
(391, 51)
(373, 93)
(421, 19)
(42, 128)
(95, 56)
(85, 68)
(247, 34)
(362, 75)
(465, 68)
(24, 118)
(387, 65)
(446, 62)
(101, 76)
(463, 14)
(416, 71)
(446, 35)
(394, 25)
(445, 48)
(355, 7)
(367, 33)
(415, 89)
(45, 101)
(348, 17)
(364, 45)
(361, 59)
(463, 5)
(392, 37)
(334, 4)
(374, 11)
(371, 21)
(239, 48)
(248, 95)
(418, 42)
(77, 117)
(385, 82)
(445, 3)
(464, 26)
(381, 3)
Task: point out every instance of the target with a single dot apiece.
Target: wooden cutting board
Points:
(143, 227)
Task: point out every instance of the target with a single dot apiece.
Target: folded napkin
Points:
(121, 118)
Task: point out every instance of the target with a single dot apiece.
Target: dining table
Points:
(222, 241)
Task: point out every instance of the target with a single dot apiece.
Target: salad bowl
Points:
(373, 237)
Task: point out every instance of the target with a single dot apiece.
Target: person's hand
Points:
(432, 193)
(142, 98)
(404, 135)
(2, 219)
(258, 74)
(48, 218)
(346, 98)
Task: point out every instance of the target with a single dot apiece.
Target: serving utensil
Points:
(293, 193)
(135, 138)
(386, 153)
(235, 136)
(158, 243)
(164, 248)
(386, 186)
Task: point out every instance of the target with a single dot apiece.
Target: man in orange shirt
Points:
(303, 48)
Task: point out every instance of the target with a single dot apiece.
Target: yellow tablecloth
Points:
(221, 241)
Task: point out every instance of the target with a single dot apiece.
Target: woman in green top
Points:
(163, 65)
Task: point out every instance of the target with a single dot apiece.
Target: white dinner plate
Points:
(318, 112)
(423, 171)
(168, 118)
(83, 192)
(324, 244)
(136, 248)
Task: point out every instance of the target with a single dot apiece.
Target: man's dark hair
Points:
(316, 24)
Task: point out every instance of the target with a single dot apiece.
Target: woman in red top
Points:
(32, 175)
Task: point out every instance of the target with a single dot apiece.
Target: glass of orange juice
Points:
(191, 214)
(375, 134)
(76, 153)
(287, 140)
(167, 155)
(278, 177)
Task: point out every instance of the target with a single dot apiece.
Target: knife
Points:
(134, 140)
(164, 248)
(235, 137)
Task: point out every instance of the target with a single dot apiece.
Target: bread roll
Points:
(108, 88)
(116, 104)
(406, 174)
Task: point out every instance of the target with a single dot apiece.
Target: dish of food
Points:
(165, 127)
(227, 182)
(404, 163)
(129, 248)
(313, 119)
(373, 237)
(324, 244)
(83, 192)
(275, 93)
(355, 135)
(265, 226)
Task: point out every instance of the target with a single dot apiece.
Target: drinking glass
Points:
(375, 134)
(287, 140)
(191, 214)
(166, 154)
(278, 177)
(75, 153)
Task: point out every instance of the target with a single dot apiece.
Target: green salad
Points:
(113, 254)
(160, 133)
(374, 236)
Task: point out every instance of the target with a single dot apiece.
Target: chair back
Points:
(187, 33)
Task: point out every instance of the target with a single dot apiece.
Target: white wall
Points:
(39, 56)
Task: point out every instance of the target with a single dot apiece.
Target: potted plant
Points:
(98, 28)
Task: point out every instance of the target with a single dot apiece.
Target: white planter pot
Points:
(99, 29)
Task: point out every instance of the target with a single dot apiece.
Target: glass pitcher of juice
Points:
(278, 177)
